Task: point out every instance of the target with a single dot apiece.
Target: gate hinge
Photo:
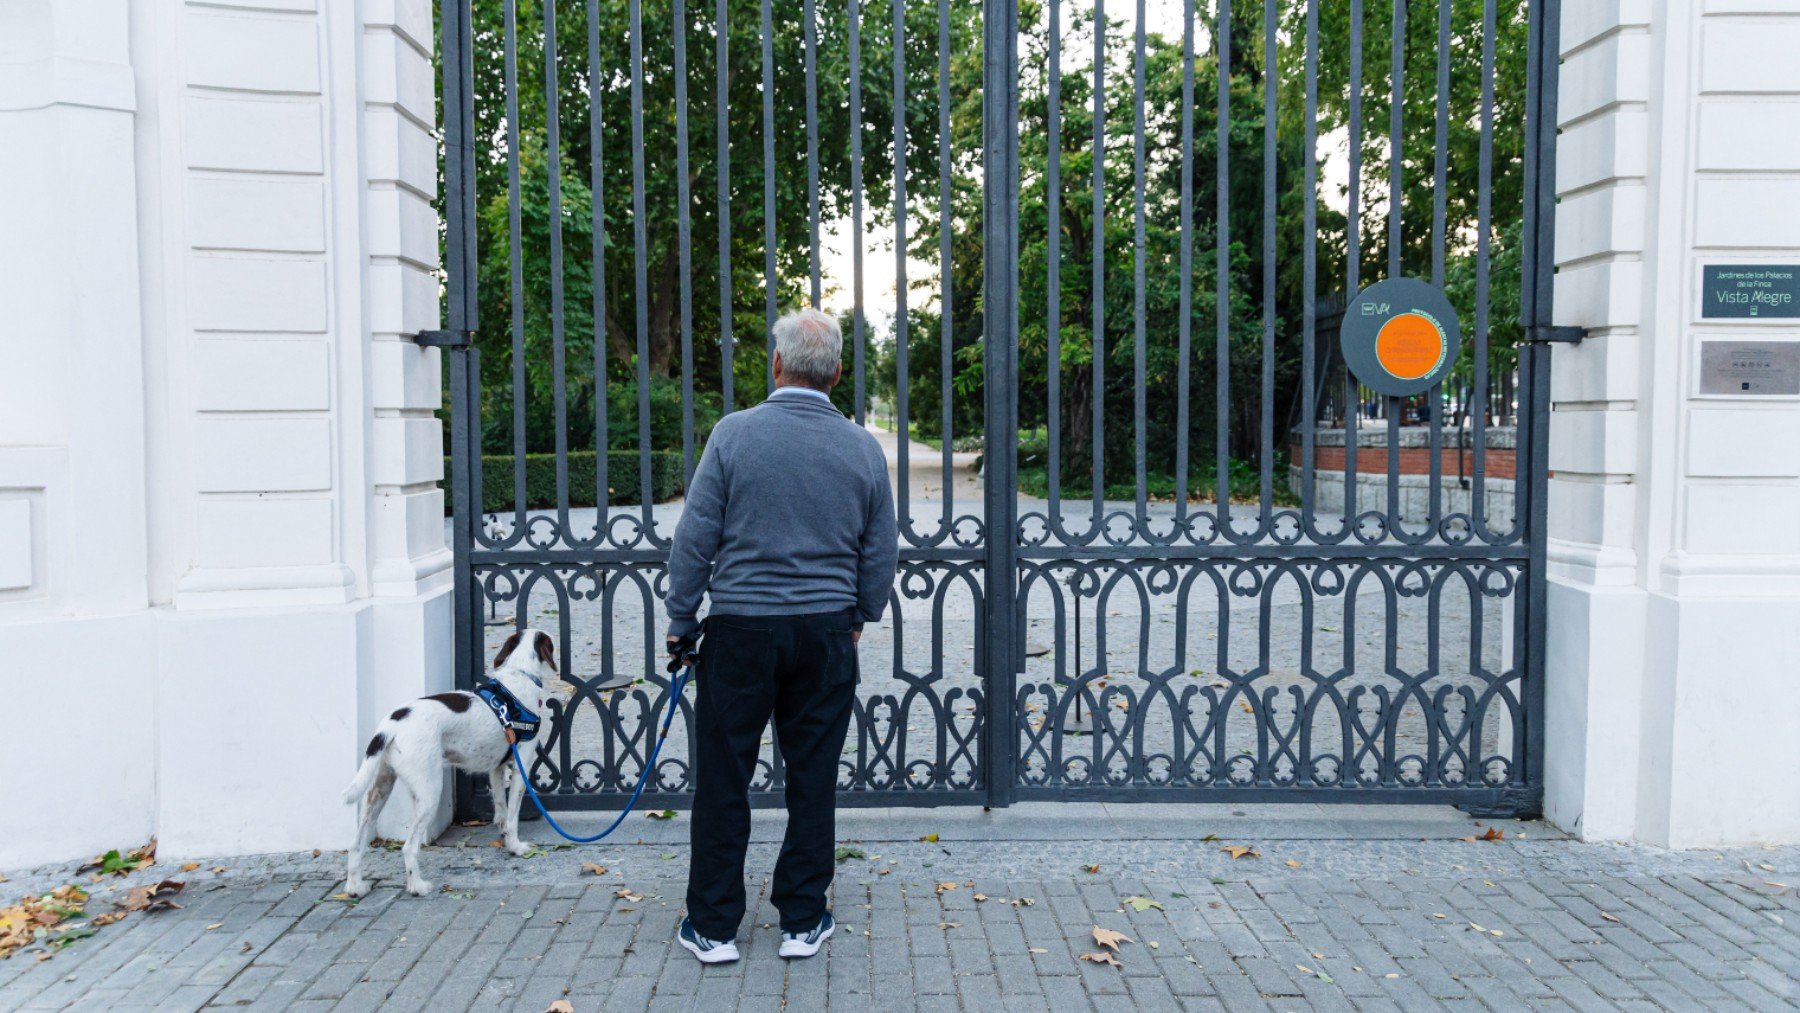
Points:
(445, 339)
(1560, 335)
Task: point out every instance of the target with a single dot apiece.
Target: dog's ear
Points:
(546, 650)
(506, 650)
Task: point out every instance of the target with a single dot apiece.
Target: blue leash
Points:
(676, 685)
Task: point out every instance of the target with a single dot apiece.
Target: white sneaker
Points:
(805, 944)
(709, 951)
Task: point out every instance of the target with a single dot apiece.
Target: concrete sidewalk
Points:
(1343, 907)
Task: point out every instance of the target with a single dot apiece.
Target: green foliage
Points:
(622, 479)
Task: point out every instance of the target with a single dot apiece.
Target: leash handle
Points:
(676, 686)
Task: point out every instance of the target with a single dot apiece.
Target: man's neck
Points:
(800, 388)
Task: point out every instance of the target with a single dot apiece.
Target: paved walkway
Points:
(1340, 908)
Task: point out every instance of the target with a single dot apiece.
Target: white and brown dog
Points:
(459, 729)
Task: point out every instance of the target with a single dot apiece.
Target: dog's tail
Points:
(371, 765)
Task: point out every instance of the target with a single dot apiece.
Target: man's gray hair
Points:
(811, 347)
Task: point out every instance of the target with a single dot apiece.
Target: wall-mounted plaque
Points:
(1400, 336)
(1750, 368)
(1750, 290)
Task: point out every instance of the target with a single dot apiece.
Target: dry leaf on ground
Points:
(1492, 834)
(941, 887)
(1144, 904)
(1102, 957)
(1241, 851)
(190, 867)
(598, 870)
(980, 897)
(560, 1006)
(625, 893)
(1090, 868)
(157, 897)
(31, 919)
(929, 838)
(1292, 864)
(1109, 938)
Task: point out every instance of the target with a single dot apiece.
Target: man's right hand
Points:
(682, 651)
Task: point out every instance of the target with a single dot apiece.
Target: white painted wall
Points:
(1674, 628)
(221, 548)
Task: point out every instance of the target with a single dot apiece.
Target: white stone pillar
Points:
(1674, 624)
(74, 630)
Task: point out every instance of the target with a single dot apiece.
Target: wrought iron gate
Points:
(1274, 587)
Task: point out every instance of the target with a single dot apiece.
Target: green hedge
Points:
(540, 478)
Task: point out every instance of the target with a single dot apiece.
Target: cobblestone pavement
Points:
(1341, 908)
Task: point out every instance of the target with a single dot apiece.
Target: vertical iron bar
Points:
(768, 168)
(1396, 142)
(1396, 158)
(553, 168)
(1353, 269)
(946, 329)
(1539, 264)
(1098, 294)
(1139, 298)
(902, 422)
(1053, 275)
(1439, 250)
(1309, 296)
(1266, 464)
(722, 126)
(640, 253)
(459, 262)
(854, 14)
(1000, 156)
(811, 35)
(1483, 224)
(1185, 326)
(1222, 272)
(516, 244)
(602, 327)
(684, 238)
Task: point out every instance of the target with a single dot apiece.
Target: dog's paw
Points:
(418, 887)
(356, 887)
(519, 849)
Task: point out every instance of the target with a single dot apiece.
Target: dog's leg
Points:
(424, 799)
(508, 789)
(368, 808)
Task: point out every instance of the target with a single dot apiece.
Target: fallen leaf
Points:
(661, 814)
(190, 867)
(1109, 938)
(1492, 834)
(560, 1006)
(980, 897)
(883, 872)
(845, 852)
(1292, 864)
(929, 838)
(1039, 949)
(1023, 902)
(1090, 868)
(1608, 917)
(1240, 851)
(598, 870)
(1209, 838)
(1144, 904)
(1102, 957)
(625, 893)
(941, 887)
(159, 897)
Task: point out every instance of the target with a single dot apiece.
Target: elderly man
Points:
(789, 528)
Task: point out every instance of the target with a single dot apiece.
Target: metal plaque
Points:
(1750, 368)
(1750, 290)
(1400, 336)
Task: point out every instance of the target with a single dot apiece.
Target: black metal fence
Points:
(1189, 622)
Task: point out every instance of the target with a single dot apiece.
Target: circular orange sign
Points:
(1410, 345)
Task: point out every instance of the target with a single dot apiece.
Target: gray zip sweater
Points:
(789, 513)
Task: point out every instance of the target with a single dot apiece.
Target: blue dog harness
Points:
(508, 709)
